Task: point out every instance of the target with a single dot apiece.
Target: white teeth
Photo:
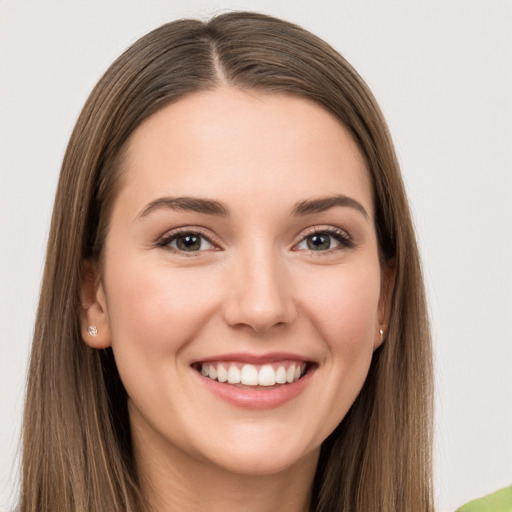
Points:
(281, 375)
(222, 374)
(267, 376)
(249, 375)
(233, 375)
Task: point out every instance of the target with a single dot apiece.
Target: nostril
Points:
(259, 300)
(258, 319)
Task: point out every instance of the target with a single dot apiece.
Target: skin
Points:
(256, 288)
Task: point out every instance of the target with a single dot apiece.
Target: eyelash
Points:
(171, 237)
(339, 235)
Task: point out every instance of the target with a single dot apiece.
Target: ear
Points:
(386, 296)
(94, 308)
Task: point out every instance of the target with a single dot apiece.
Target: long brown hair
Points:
(77, 452)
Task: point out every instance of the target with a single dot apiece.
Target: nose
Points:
(260, 292)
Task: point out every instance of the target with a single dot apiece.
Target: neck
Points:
(173, 481)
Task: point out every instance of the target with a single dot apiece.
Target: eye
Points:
(187, 241)
(324, 240)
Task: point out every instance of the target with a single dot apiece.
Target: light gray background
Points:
(443, 76)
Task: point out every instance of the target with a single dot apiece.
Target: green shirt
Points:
(500, 501)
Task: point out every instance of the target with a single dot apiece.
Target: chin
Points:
(260, 452)
(264, 463)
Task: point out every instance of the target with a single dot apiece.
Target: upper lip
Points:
(268, 358)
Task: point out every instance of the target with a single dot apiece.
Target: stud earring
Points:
(92, 331)
(381, 335)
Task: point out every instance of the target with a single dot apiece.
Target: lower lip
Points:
(260, 398)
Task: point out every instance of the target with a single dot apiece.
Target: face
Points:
(240, 285)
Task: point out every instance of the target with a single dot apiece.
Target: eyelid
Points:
(341, 235)
(167, 238)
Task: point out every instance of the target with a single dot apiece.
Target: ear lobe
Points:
(385, 300)
(93, 315)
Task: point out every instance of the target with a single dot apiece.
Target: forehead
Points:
(229, 141)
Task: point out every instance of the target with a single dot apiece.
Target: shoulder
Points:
(500, 501)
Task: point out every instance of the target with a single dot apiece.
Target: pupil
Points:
(189, 242)
(319, 242)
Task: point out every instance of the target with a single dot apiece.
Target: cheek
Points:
(344, 307)
(157, 308)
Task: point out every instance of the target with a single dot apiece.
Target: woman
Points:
(232, 311)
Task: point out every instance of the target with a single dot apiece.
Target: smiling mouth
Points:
(253, 375)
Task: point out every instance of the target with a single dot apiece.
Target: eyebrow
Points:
(193, 204)
(212, 207)
(326, 203)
